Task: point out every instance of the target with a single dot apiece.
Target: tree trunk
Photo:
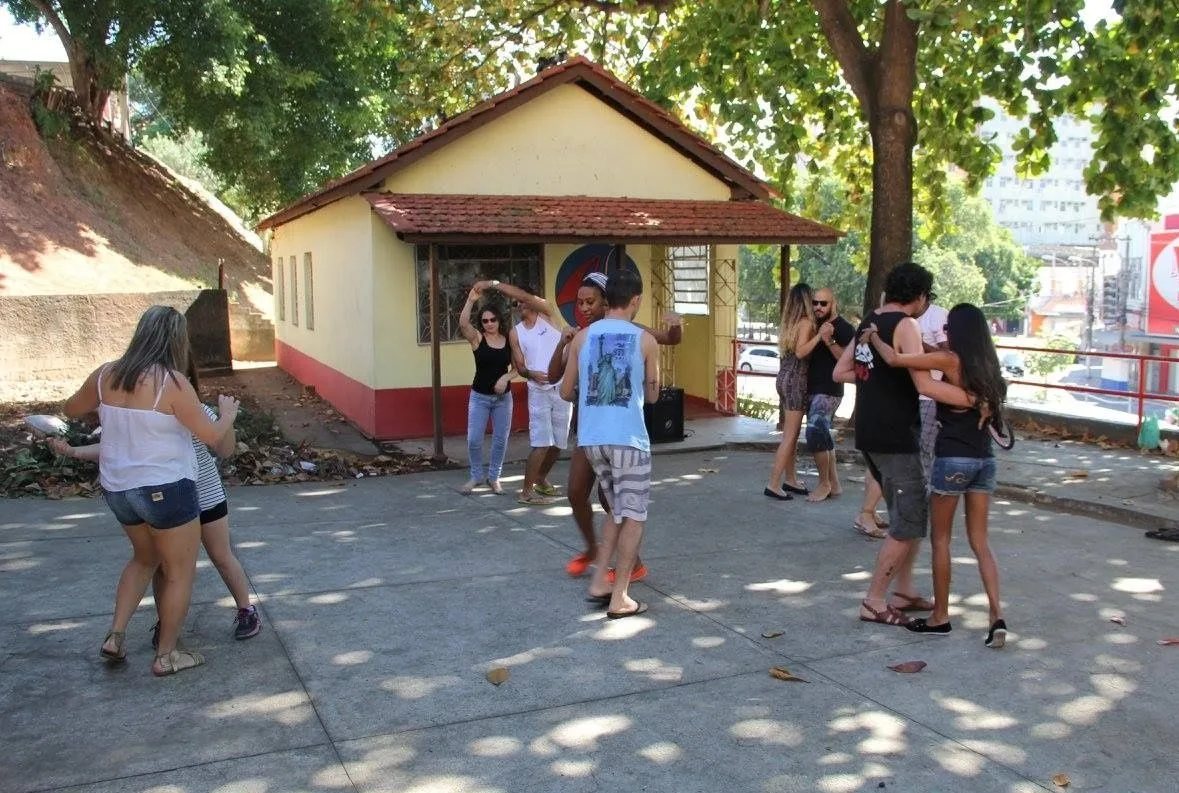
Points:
(91, 97)
(893, 128)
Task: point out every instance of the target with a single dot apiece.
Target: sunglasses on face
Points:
(488, 320)
(820, 303)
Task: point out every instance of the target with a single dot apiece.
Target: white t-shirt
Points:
(538, 344)
(933, 331)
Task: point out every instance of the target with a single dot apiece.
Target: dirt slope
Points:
(92, 215)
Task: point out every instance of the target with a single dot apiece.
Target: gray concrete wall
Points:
(64, 337)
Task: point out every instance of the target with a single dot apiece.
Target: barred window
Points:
(690, 273)
(459, 267)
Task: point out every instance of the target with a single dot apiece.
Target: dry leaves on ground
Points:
(1061, 780)
(909, 667)
(1167, 642)
(771, 634)
(1118, 620)
(498, 676)
(782, 673)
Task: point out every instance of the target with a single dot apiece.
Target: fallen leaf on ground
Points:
(707, 470)
(498, 675)
(1118, 620)
(1078, 474)
(771, 634)
(1061, 780)
(1167, 642)
(782, 673)
(908, 667)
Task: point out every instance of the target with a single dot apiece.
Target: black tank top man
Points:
(888, 420)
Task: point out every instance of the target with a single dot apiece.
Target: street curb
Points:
(1082, 508)
(1014, 492)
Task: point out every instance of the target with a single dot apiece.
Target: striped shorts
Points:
(624, 476)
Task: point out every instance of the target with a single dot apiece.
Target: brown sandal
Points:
(119, 654)
(871, 532)
(176, 661)
(913, 603)
(887, 616)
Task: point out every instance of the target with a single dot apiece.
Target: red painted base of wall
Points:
(389, 413)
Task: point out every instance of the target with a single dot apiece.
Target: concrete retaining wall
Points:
(64, 337)
(251, 334)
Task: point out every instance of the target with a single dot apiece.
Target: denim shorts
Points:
(953, 476)
(159, 506)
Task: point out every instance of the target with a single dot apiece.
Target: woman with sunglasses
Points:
(491, 397)
(964, 462)
(798, 336)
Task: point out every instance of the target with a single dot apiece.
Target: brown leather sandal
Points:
(119, 654)
(176, 661)
(913, 603)
(886, 616)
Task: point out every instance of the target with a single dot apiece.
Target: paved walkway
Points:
(1110, 483)
(387, 600)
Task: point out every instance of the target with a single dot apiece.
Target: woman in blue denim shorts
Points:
(148, 469)
(964, 462)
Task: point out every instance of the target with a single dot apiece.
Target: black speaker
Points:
(665, 418)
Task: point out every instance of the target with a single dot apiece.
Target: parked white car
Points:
(759, 359)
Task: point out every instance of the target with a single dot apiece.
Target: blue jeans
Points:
(480, 408)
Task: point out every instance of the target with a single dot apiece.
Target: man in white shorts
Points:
(533, 340)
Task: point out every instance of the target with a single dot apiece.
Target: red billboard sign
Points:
(1162, 308)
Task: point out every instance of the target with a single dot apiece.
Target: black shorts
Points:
(215, 512)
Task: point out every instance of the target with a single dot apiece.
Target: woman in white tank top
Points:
(147, 468)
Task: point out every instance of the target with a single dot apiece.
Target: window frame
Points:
(280, 287)
(294, 290)
(308, 292)
(459, 266)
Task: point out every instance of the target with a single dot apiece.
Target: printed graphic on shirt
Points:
(609, 370)
(865, 360)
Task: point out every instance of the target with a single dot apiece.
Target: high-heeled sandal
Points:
(119, 654)
(176, 661)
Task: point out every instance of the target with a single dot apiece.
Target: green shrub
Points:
(756, 408)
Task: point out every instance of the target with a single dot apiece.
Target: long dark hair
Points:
(970, 339)
(498, 306)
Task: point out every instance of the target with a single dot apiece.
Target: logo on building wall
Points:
(577, 265)
(1163, 305)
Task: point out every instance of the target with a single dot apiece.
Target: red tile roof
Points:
(579, 71)
(421, 217)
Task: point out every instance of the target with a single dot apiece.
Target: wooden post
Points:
(783, 291)
(435, 353)
(618, 255)
(221, 274)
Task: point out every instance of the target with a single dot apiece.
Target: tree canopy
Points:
(890, 95)
(284, 94)
(973, 258)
